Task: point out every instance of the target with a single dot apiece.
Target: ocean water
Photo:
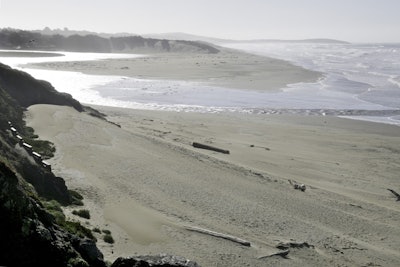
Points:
(371, 72)
(360, 81)
(368, 73)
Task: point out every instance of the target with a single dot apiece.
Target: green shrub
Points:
(54, 208)
(78, 229)
(30, 133)
(76, 198)
(97, 230)
(82, 213)
(107, 232)
(108, 238)
(44, 148)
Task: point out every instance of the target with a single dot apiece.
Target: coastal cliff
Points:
(32, 234)
(33, 229)
(27, 91)
(27, 40)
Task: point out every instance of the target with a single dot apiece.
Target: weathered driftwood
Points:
(282, 254)
(395, 193)
(198, 145)
(220, 235)
(288, 245)
(285, 247)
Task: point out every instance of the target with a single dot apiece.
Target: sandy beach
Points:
(229, 68)
(146, 183)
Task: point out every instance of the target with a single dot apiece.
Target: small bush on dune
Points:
(78, 229)
(82, 213)
(54, 208)
(109, 239)
(97, 230)
(76, 198)
(107, 232)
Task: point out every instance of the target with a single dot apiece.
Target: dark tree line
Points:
(27, 40)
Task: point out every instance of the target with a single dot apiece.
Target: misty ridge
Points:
(31, 40)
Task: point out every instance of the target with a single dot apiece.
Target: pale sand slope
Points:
(144, 181)
(229, 68)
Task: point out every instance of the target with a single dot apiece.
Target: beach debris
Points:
(301, 187)
(285, 247)
(264, 147)
(355, 205)
(292, 244)
(198, 145)
(395, 193)
(283, 254)
(219, 235)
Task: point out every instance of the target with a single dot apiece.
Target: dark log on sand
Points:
(282, 254)
(288, 245)
(198, 145)
(395, 193)
(220, 235)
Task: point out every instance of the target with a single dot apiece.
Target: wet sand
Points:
(229, 68)
(146, 183)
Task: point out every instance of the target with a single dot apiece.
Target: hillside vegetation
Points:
(27, 40)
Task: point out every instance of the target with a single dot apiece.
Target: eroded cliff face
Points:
(33, 228)
(26, 90)
(18, 90)
(30, 235)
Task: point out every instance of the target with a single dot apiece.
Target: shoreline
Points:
(146, 177)
(230, 68)
(26, 53)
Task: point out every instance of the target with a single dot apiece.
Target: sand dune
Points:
(146, 183)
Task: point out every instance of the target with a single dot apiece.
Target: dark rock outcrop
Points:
(26, 90)
(18, 90)
(29, 235)
(162, 260)
(89, 251)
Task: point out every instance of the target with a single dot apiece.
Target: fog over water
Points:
(356, 77)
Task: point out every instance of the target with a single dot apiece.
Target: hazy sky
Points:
(350, 20)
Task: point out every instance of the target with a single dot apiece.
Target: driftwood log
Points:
(283, 254)
(198, 145)
(289, 245)
(395, 193)
(220, 235)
